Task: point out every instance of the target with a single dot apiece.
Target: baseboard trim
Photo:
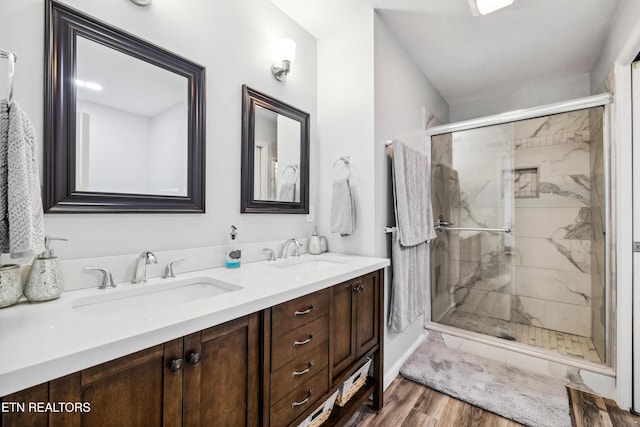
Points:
(392, 372)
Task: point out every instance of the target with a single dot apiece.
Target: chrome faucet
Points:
(285, 248)
(140, 274)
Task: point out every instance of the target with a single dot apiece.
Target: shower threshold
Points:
(560, 342)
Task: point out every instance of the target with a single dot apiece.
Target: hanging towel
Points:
(414, 229)
(4, 183)
(412, 195)
(287, 192)
(343, 219)
(410, 269)
(23, 214)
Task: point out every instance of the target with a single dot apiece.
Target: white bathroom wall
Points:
(345, 127)
(403, 97)
(233, 40)
(118, 149)
(545, 92)
(168, 156)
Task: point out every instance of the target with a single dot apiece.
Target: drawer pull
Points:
(358, 288)
(302, 402)
(303, 312)
(306, 371)
(307, 341)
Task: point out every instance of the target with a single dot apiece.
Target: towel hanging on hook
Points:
(12, 57)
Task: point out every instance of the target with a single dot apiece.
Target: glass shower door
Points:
(474, 183)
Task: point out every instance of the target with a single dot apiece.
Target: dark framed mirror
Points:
(275, 155)
(124, 121)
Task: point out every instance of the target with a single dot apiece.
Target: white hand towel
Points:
(342, 208)
(287, 192)
(24, 202)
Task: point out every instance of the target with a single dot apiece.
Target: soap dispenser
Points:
(315, 246)
(45, 281)
(233, 252)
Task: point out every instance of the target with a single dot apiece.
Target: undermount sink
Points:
(116, 304)
(308, 265)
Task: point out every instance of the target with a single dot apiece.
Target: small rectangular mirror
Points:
(275, 156)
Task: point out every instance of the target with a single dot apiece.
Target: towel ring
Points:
(347, 162)
(296, 172)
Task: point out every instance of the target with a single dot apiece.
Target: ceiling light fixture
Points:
(484, 7)
(285, 53)
(141, 2)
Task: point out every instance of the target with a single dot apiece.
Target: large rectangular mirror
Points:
(275, 155)
(127, 121)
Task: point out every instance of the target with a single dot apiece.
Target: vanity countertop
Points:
(44, 341)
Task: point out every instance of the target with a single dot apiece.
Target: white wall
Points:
(402, 96)
(167, 156)
(118, 147)
(233, 40)
(545, 92)
(622, 24)
(345, 126)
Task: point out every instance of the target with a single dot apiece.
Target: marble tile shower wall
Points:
(541, 274)
(598, 311)
(553, 232)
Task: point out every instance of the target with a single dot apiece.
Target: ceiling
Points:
(466, 57)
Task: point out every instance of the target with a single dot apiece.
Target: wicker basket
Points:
(353, 384)
(321, 414)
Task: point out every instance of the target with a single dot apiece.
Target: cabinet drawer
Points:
(295, 313)
(290, 345)
(298, 370)
(300, 399)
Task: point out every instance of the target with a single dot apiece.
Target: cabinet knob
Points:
(195, 359)
(359, 287)
(176, 365)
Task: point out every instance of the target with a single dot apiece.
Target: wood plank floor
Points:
(408, 404)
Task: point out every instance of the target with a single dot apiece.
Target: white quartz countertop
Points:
(43, 341)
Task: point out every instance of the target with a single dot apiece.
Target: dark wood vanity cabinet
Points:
(355, 321)
(272, 368)
(207, 378)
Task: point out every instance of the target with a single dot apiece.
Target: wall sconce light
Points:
(285, 52)
(485, 7)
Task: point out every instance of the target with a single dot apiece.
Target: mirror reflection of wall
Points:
(131, 124)
(277, 157)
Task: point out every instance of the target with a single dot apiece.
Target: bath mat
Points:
(520, 395)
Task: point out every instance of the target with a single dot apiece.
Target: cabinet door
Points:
(125, 391)
(367, 317)
(342, 335)
(19, 414)
(221, 376)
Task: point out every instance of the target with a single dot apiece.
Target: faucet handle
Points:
(168, 272)
(271, 255)
(107, 278)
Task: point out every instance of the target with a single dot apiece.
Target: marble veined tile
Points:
(571, 122)
(560, 191)
(483, 303)
(565, 159)
(558, 316)
(552, 254)
(554, 285)
(557, 223)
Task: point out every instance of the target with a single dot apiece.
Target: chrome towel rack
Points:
(504, 229)
(12, 60)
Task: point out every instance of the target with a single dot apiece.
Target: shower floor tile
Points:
(560, 342)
